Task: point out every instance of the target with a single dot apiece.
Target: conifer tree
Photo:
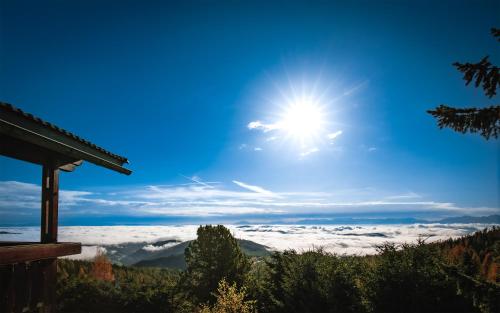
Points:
(213, 256)
(486, 121)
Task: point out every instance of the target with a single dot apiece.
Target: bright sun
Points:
(303, 119)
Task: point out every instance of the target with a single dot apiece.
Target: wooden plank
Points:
(50, 203)
(24, 253)
(16, 243)
(36, 285)
(49, 271)
(29, 284)
(6, 288)
(21, 290)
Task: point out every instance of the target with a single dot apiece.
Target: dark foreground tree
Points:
(213, 256)
(410, 278)
(456, 275)
(486, 121)
(313, 281)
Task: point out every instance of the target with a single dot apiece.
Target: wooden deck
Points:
(28, 275)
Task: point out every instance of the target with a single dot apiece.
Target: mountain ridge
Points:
(167, 253)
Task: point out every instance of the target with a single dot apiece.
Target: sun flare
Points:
(303, 119)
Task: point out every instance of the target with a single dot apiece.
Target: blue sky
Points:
(196, 94)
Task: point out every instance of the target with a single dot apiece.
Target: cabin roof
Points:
(27, 137)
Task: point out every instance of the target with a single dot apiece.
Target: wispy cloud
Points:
(309, 151)
(249, 147)
(334, 135)
(201, 198)
(253, 188)
(197, 180)
(15, 195)
(258, 125)
(355, 88)
(408, 195)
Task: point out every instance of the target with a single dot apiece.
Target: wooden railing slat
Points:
(32, 252)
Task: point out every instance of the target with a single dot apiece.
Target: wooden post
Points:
(50, 202)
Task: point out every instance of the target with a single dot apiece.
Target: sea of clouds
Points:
(340, 239)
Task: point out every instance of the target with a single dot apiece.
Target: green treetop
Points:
(213, 256)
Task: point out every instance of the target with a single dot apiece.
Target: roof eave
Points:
(66, 148)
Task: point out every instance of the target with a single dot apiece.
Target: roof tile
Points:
(29, 116)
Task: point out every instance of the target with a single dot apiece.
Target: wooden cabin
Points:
(28, 269)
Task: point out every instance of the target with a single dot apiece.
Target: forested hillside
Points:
(458, 275)
(174, 258)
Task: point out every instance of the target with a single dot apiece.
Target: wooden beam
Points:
(33, 252)
(58, 135)
(70, 167)
(33, 133)
(26, 151)
(50, 203)
(17, 243)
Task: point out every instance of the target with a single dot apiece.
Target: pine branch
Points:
(496, 33)
(486, 121)
(483, 73)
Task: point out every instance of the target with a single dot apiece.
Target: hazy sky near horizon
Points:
(197, 95)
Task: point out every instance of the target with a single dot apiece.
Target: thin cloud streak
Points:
(309, 151)
(17, 198)
(334, 135)
(258, 125)
(197, 180)
(256, 189)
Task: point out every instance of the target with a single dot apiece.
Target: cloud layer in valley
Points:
(341, 239)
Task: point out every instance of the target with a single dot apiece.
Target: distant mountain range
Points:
(490, 219)
(168, 253)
